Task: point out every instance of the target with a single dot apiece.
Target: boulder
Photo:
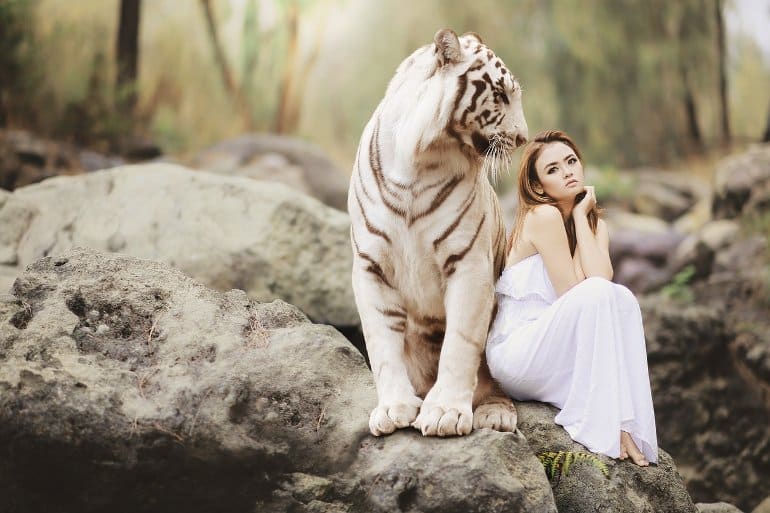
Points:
(717, 507)
(26, 159)
(227, 232)
(641, 275)
(696, 217)
(656, 488)
(709, 410)
(127, 386)
(660, 200)
(655, 247)
(742, 183)
(292, 161)
(15, 217)
(700, 248)
(123, 382)
(620, 220)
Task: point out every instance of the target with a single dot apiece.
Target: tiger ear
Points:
(447, 47)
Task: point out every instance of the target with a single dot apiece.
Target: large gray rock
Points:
(654, 489)
(127, 386)
(292, 161)
(641, 275)
(742, 183)
(717, 507)
(15, 216)
(113, 367)
(701, 247)
(226, 232)
(709, 405)
(26, 158)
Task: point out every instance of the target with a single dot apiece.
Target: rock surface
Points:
(292, 161)
(717, 507)
(26, 159)
(710, 411)
(127, 386)
(227, 232)
(742, 183)
(654, 489)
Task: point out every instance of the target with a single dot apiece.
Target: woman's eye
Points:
(551, 170)
(572, 160)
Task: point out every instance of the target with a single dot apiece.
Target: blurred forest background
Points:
(644, 82)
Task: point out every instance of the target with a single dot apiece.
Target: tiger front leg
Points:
(469, 299)
(383, 321)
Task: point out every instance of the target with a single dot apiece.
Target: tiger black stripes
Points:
(369, 226)
(462, 85)
(446, 233)
(417, 193)
(356, 176)
(396, 318)
(375, 164)
(374, 267)
(438, 199)
(480, 86)
(451, 261)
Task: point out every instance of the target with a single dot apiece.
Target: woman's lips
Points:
(571, 183)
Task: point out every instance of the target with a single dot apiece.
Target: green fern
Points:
(679, 288)
(557, 464)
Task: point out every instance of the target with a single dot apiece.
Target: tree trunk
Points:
(282, 116)
(224, 69)
(722, 59)
(127, 55)
(766, 137)
(693, 130)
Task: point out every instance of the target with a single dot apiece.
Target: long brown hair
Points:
(529, 197)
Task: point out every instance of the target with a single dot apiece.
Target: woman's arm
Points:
(545, 229)
(593, 249)
(578, 267)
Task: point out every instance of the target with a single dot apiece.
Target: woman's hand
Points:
(587, 203)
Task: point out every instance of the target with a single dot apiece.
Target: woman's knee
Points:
(595, 287)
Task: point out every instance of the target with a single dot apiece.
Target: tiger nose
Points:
(520, 140)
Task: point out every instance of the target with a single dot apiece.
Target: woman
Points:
(564, 333)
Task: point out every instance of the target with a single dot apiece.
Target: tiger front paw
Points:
(387, 417)
(500, 416)
(445, 413)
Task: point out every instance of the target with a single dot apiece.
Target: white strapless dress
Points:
(583, 352)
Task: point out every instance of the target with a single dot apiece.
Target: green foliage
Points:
(609, 183)
(612, 74)
(679, 288)
(15, 21)
(558, 464)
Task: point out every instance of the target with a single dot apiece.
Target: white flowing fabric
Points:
(583, 352)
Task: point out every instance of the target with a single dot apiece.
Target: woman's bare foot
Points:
(629, 449)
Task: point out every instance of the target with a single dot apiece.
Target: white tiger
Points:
(428, 238)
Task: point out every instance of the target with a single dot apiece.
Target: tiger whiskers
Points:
(497, 157)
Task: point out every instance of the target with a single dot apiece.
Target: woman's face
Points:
(560, 172)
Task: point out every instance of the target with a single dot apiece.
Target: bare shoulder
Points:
(543, 216)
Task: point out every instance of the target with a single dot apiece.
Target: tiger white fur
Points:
(428, 238)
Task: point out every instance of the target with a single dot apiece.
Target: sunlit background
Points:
(635, 82)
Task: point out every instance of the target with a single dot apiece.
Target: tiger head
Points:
(486, 111)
